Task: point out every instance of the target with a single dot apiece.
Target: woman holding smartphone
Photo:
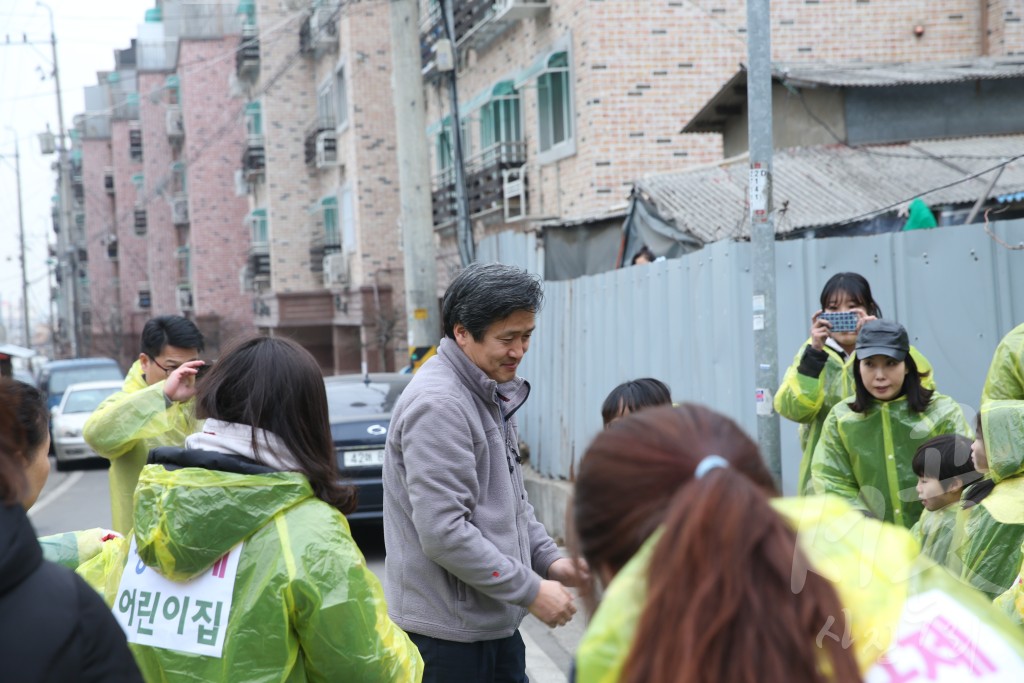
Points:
(822, 371)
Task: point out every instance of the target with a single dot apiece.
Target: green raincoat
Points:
(866, 457)
(125, 427)
(934, 532)
(891, 592)
(1012, 601)
(808, 400)
(993, 531)
(305, 607)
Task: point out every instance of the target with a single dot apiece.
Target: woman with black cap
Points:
(867, 445)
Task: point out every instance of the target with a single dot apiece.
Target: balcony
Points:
(484, 182)
(319, 247)
(254, 156)
(323, 124)
(247, 58)
(258, 262)
(478, 23)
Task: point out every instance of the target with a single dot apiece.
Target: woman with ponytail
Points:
(707, 577)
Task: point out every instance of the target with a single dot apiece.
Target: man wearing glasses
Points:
(154, 408)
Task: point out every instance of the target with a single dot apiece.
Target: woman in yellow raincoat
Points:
(709, 578)
(822, 371)
(867, 445)
(241, 566)
(991, 525)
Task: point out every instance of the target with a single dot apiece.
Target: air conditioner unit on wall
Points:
(185, 298)
(335, 270)
(322, 27)
(175, 122)
(326, 149)
(179, 210)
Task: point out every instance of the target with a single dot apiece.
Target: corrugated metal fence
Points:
(688, 322)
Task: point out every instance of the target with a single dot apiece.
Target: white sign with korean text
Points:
(188, 617)
(941, 641)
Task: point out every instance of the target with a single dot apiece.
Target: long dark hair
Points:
(721, 539)
(978, 491)
(918, 396)
(855, 286)
(23, 429)
(276, 385)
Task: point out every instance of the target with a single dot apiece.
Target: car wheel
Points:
(62, 466)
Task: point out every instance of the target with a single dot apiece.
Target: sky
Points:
(86, 41)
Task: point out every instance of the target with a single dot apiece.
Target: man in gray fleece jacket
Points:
(466, 557)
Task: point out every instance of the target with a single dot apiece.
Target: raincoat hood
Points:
(186, 518)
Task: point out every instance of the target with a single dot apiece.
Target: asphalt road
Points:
(80, 499)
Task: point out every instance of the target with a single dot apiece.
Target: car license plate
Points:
(364, 458)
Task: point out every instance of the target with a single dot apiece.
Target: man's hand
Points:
(569, 572)
(553, 604)
(180, 385)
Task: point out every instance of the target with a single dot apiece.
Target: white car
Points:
(75, 407)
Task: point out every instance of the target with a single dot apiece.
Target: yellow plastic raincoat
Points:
(934, 532)
(305, 607)
(893, 595)
(125, 427)
(73, 548)
(994, 530)
(1012, 601)
(808, 400)
(866, 457)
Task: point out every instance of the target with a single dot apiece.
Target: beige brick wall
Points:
(640, 70)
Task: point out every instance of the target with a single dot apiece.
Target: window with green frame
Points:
(254, 118)
(329, 207)
(499, 118)
(554, 102)
(260, 232)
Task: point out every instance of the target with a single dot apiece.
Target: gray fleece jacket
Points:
(465, 553)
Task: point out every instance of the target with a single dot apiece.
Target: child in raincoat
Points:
(943, 466)
(708, 577)
(822, 373)
(241, 566)
(866, 446)
(993, 517)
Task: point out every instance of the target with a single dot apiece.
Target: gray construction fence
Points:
(688, 322)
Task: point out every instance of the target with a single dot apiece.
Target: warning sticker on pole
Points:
(758, 191)
(763, 399)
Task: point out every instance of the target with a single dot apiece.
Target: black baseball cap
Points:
(883, 338)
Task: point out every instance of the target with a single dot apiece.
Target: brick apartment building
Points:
(564, 103)
(165, 230)
(321, 172)
(274, 204)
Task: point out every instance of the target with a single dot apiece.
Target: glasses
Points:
(166, 370)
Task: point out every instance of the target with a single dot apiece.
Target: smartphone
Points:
(842, 321)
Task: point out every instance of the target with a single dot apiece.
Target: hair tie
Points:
(709, 463)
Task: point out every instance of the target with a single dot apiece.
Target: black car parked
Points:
(360, 412)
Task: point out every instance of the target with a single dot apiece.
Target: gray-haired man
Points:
(466, 557)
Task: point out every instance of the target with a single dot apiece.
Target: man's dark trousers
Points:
(485, 661)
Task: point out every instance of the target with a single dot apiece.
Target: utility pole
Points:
(65, 246)
(21, 240)
(762, 235)
(463, 228)
(420, 258)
